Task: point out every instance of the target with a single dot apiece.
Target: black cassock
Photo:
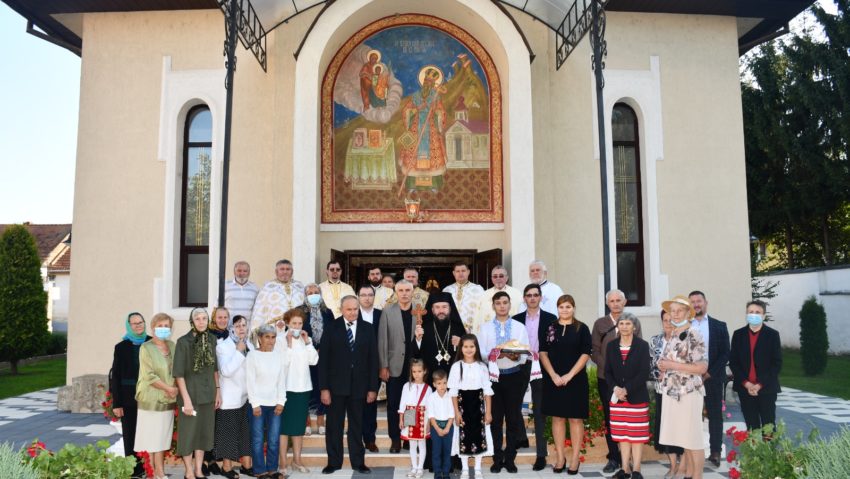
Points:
(438, 340)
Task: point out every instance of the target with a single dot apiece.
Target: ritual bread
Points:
(513, 344)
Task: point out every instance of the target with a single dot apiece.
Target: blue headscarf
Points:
(134, 338)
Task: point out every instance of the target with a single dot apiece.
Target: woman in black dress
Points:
(122, 383)
(564, 352)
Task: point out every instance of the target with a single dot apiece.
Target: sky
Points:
(39, 106)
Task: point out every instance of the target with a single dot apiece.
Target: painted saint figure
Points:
(423, 154)
(370, 79)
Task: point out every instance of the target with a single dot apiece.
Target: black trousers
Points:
(604, 396)
(758, 410)
(539, 418)
(128, 432)
(340, 406)
(394, 388)
(507, 407)
(714, 407)
(370, 421)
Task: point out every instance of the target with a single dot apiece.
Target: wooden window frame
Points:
(639, 246)
(186, 251)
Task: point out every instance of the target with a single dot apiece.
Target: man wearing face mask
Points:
(716, 336)
(278, 295)
(755, 360)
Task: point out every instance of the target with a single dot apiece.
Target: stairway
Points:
(315, 455)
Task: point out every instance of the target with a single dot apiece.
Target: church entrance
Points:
(435, 265)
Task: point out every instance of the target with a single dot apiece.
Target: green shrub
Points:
(13, 465)
(767, 453)
(23, 302)
(814, 342)
(89, 462)
(825, 458)
(58, 343)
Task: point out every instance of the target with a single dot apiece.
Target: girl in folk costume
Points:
(469, 386)
(412, 418)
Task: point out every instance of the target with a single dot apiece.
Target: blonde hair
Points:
(161, 317)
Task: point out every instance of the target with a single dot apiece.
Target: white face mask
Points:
(295, 332)
(314, 299)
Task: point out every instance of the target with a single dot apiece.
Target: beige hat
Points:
(665, 305)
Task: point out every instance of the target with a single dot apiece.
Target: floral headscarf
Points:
(203, 354)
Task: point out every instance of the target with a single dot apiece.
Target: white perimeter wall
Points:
(831, 287)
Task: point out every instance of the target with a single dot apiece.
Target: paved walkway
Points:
(34, 415)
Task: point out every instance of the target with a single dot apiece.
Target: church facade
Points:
(454, 106)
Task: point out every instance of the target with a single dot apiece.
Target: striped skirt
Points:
(630, 422)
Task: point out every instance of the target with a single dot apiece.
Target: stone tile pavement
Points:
(34, 415)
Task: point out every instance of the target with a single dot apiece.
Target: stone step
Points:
(383, 441)
(317, 458)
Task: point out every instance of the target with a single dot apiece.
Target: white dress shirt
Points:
(368, 316)
(702, 326)
(439, 407)
(410, 393)
(475, 376)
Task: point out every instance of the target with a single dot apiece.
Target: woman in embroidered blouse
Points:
(682, 364)
(156, 394)
(656, 348)
(301, 355)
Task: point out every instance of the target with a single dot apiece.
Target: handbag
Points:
(410, 414)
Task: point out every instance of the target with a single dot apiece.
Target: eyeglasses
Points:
(532, 295)
(497, 276)
(366, 295)
(137, 324)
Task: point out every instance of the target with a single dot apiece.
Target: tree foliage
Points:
(796, 102)
(814, 341)
(23, 301)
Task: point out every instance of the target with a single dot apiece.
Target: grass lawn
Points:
(33, 377)
(834, 381)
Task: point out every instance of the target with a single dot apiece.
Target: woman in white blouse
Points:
(266, 381)
(300, 356)
(233, 432)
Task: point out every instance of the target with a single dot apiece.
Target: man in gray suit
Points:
(395, 333)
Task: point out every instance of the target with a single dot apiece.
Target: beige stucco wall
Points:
(119, 204)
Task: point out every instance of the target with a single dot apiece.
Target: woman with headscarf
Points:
(156, 394)
(196, 372)
(122, 382)
(232, 429)
(317, 317)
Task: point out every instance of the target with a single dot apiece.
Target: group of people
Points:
(456, 364)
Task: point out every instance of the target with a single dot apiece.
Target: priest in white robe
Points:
(277, 296)
(499, 277)
(466, 295)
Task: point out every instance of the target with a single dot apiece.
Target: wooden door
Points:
(484, 262)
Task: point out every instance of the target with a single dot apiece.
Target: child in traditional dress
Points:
(414, 396)
(469, 386)
(441, 413)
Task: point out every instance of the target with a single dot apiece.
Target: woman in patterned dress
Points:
(682, 365)
(656, 348)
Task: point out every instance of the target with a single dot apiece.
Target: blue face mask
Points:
(679, 325)
(754, 319)
(314, 299)
(162, 333)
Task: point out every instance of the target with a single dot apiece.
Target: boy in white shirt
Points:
(441, 412)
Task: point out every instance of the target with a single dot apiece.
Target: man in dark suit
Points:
(536, 322)
(755, 360)
(348, 379)
(716, 336)
(371, 315)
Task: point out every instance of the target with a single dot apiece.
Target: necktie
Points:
(350, 335)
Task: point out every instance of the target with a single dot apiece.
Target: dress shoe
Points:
(372, 447)
(714, 459)
(395, 447)
(611, 466)
(496, 467)
(330, 469)
(637, 475)
(363, 469)
(621, 474)
(510, 467)
(247, 471)
(539, 464)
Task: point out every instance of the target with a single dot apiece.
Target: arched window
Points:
(195, 208)
(627, 208)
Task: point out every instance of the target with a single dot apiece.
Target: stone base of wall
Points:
(84, 395)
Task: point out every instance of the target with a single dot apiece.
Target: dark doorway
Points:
(434, 265)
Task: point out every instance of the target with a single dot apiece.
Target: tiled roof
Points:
(46, 236)
(62, 263)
